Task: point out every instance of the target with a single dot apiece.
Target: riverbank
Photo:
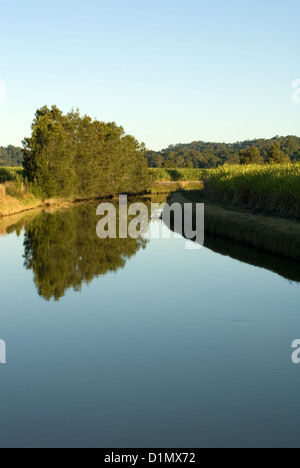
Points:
(10, 206)
(272, 234)
(16, 222)
(167, 187)
(26, 202)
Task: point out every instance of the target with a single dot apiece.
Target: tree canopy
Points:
(73, 156)
(11, 156)
(251, 155)
(276, 155)
(207, 155)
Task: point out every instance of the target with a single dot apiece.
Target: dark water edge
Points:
(286, 267)
(161, 347)
(224, 234)
(63, 250)
(276, 235)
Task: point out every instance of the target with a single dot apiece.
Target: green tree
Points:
(206, 155)
(154, 159)
(74, 156)
(251, 155)
(49, 154)
(11, 156)
(276, 155)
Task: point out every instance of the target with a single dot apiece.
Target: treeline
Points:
(209, 155)
(73, 156)
(11, 156)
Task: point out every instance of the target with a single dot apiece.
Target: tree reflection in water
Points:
(64, 251)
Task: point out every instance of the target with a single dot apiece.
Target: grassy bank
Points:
(15, 198)
(269, 189)
(271, 234)
(8, 174)
(170, 187)
(175, 175)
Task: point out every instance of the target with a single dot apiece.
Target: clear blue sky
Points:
(169, 71)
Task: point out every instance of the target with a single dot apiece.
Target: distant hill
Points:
(205, 155)
(11, 156)
(197, 154)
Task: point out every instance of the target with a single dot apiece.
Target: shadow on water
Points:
(63, 250)
(286, 267)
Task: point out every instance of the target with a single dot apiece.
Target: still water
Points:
(125, 343)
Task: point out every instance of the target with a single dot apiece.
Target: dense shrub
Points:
(9, 174)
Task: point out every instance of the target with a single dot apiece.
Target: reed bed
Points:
(175, 175)
(269, 188)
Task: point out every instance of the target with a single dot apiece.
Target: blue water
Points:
(180, 348)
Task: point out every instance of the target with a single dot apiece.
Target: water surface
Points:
(126, 343)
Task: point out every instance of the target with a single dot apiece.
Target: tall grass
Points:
(175, 175)
(274, 188)
(13, 185)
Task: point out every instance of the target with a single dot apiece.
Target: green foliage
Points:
(12, 177)
(251, 155)
(171, 187)
(73, 156)
(174, 175)
(10, 174)
(280, 180)
(154, 159)
(211, 155)
(276, 155)
(160, 174)
(15, 190)
(11, 156)
(64, 252)
(274, 187)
